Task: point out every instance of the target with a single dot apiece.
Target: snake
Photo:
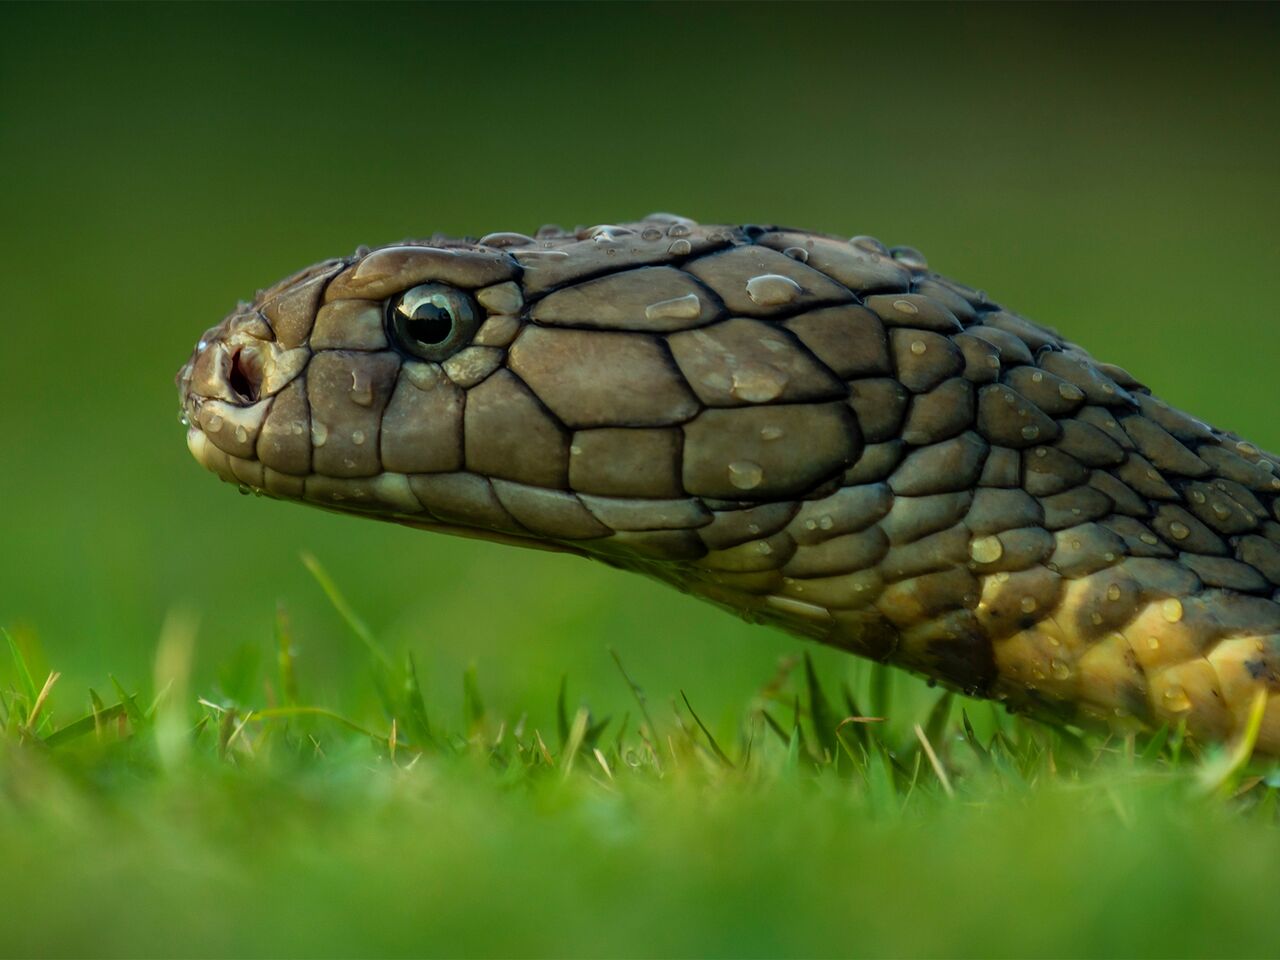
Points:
(816, 433)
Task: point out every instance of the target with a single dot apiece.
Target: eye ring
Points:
(431, 321)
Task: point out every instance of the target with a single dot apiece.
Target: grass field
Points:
(182, 787)
(267, 823)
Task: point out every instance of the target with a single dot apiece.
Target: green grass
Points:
(865, 817)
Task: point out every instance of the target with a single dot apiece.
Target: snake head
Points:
(632, 392)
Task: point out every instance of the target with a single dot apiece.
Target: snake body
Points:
(815, 433)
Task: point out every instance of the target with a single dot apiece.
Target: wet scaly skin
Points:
(814, 433)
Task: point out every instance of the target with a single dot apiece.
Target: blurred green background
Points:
(1107, 170)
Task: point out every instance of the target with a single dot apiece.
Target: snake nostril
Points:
(245, 375)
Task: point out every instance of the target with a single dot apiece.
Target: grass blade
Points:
(346, 611)
(562, 713)
(24, 672)
(415, 703)
(130, 701)
(472, 704)
(934, 762)
(820, 712)
(87, 724)
(715, 747)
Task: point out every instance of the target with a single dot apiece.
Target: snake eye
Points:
(431, 321)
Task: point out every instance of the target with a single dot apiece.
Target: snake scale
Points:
(812, 432)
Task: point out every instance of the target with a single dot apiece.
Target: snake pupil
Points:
(430, 323)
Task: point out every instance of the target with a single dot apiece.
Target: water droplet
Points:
(910, 257)
(182, 419)
(607, 232)
(757, 383)
(361, 388)
(1030, 432)
(1027, 604)
(575, 450)
(1113, 591)
(688, 307)
(1069, 391)
(870, 245)
(202, 346)
(213, 424)
(536, 254)
(1037, 377)
(1150, 539)
(918, 347)
(243, 489)
(770, 433)
(1171, 610)
(319, 433)
(825, 522)
(679, 248)
(772, 289)
(1059, 670)
(650, 234)
(357, 437)
(811, 524)
(678, 230)
(1197, 496)
(797, 253)
(986, 549)
(505, 239)
(1176, 700)
(745, 475)
(1220, 510)
(1153, 643)
(1002, 576)
(906, 307)
(1096, 618)
(1179, 530)
(242, 435)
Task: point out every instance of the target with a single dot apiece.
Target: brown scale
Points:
(813, 432)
